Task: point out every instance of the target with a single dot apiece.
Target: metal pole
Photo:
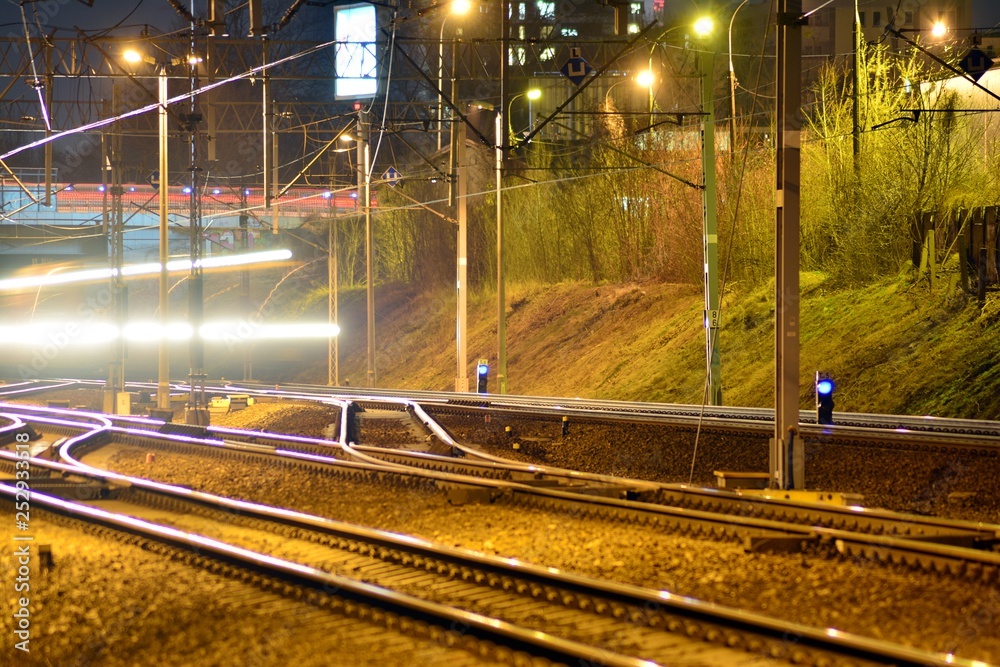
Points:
(109, 387)
(440, 111)
(732, 84)
(245, 285)
(274, 170)
(267, 121)
(856, 81)
(163, 372)
(197, 412)
(706, 62)
(364, 194)
(501, 140)
(332, 349)
(787, 452)
(461, 214)
(47, 201)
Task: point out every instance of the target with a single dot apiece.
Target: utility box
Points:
(123, 403)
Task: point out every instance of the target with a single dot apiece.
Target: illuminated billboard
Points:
(357, 61)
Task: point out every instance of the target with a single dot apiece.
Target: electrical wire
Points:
(36, 83)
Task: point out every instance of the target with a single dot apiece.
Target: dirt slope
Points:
(892, 347)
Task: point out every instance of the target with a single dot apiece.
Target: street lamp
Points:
(458, 7)
(703, 28)
(732, 83)
(163, 368)
(532, 94)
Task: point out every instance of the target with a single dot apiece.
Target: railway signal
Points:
(824, 398)
(482, 373)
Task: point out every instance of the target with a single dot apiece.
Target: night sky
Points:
(106, 13)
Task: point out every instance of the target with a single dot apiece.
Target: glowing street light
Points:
(704, 26)
(532, 94)
(457, 8)
(939, 30)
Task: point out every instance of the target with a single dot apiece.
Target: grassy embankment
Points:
(893, 346)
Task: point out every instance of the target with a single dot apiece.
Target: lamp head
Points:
(533, 94)
(461, 6)
(132, 56)
(645, 78)
(704, 26)
(939, 30)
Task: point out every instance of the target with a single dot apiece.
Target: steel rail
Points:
(480, 627)
(913, 545)
(852, 519)
(617, 600)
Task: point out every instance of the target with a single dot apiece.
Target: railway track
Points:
(935, 557)
(507, 608)
(960, 548)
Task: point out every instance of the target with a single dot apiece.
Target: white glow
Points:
(249, 258)
(54, 279)
(141, 332)
(356, 62)
(61, 334)
(939, 29)
(704, 26)
(148, 268)
(57, 335)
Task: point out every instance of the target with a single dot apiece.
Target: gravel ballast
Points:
(113, 604)
(927, 611)
(945, 484)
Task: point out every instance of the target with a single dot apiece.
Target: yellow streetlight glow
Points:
(194, 60)
(461, 6)
(704, 26)
(939, 29)
(132, 56)
(533, 94)
(645, 78)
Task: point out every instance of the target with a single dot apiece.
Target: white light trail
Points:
(66, 334)
(149, 268)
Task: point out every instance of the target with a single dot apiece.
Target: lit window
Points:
(633, 28)
(546, 10)
(521, 32)
(569, 32)
(545, 31)
(517, 56)
(520, 11)
(547, 53)
(636, 7)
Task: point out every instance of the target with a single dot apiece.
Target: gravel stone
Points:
(113, 604)
(927, 611)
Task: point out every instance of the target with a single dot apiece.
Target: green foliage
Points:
(608, 203)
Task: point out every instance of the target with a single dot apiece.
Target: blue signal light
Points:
(482, 369)
(186, 190)
(824, 387)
